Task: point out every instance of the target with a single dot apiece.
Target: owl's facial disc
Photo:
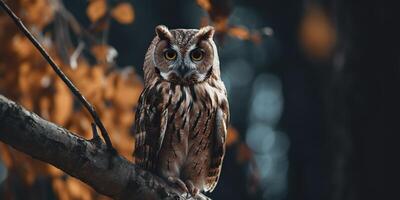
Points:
(187, 65)
(184, 56)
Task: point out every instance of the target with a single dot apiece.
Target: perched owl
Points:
(183, 111)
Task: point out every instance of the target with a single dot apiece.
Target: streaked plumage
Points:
(181, 120)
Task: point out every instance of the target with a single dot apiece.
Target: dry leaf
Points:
(37, 12)
(123, 13)
(77, 189)
(205, 4)
(54, 172)
(62, 103)
(59, 187)
(232, 137)
(21, 46)
(218, 12)
(6, 156)
(104, 53)
(239, 32)
(317, 33)
(96, 10)
(100, 52)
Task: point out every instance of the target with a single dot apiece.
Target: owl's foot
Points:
(194, 191)
(177, 181)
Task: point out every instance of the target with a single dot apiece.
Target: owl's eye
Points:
(170, 54)
(197, 54)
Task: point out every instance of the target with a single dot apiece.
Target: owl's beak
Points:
(183, 70)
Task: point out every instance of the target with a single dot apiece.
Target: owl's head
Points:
(183, 56)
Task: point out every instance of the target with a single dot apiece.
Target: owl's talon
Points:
(192, 189)
(179, 182)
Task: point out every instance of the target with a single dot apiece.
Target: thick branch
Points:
(86, 160)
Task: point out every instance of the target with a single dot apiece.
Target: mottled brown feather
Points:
(181, 124)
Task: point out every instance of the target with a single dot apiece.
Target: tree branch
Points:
(83, 159)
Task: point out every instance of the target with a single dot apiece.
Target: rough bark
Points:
(86, 160)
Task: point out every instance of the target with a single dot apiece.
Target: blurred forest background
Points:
(313, 88)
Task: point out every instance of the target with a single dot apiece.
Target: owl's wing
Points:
(218, 149)
(151, 124)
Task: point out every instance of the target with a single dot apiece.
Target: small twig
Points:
(96, 138)
(61, 74)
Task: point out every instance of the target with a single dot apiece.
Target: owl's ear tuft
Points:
(163, 33)
(205, 33)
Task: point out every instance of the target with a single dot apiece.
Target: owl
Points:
(183, 111)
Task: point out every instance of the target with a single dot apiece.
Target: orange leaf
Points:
(21, 46)
(317, 33)
(62, 103)
(38, 12)
(205, 4)
(102, 53)
(55, 172)
(221, 24)
(77, 189)
(232, 137)
(59, 187)
(123, 13)
(6, 155)
(239, 32)
(96, 10)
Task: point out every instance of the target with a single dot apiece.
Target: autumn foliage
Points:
(27, 78)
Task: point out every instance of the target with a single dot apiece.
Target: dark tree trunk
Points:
(365, 101)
